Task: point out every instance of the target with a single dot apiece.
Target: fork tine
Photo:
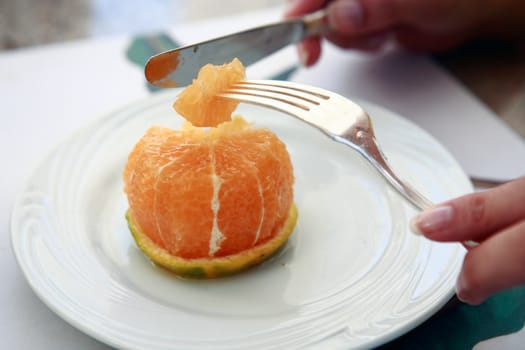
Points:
(286, 97)
(303, 102)
(287, 88)
(267, 99)
(310, 92)
(273, 92)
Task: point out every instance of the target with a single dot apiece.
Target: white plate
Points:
(351, 275)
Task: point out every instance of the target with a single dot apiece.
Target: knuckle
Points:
(477, 204)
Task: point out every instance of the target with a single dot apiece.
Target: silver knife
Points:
(180, 66)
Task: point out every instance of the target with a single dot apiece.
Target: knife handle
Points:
(315, 23)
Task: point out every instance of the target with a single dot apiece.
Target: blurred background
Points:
(26, 23)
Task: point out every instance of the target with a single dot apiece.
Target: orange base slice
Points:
(213, 267)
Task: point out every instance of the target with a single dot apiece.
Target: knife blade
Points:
(180, 66)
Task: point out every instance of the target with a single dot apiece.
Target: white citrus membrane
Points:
(216, 236)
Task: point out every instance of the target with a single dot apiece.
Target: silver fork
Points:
(339, 118)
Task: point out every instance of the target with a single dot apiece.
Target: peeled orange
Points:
(210, 202)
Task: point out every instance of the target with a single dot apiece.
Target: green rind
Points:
(203, 268)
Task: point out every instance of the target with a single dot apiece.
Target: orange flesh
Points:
(164, 63)
(198, 102)
(209, 194)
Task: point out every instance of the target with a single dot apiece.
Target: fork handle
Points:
(376, 157)
(412, 195)
(369, 149)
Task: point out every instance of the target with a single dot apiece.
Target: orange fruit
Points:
(207, 203)
(198, 104)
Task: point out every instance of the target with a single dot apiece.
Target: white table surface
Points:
(47, 92)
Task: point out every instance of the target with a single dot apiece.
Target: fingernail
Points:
(413, 227)
(461, 288)
(345, 16)
(432, 220)
(303, 55)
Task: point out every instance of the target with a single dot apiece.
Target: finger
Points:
(302, 7)
(309, 51)
(370, 42)
(353, 17)
(418, 40)
(362, 16)
(474, 216)
(494, 265)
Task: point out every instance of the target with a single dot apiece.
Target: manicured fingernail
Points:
(303, 55)
(432, 220)
(414, 228)
(345, 16)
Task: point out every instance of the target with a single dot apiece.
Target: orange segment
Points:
(182, 195)
(241, 201)
(269, 156)
(139, 173)
(198, 102)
